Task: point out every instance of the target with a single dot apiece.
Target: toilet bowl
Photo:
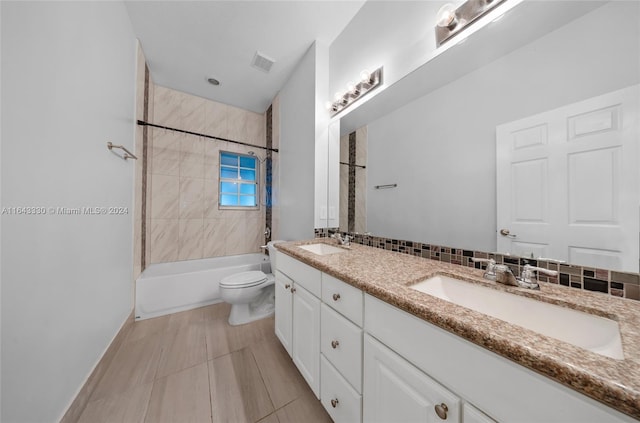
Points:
(251, 294)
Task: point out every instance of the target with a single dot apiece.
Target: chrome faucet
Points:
(346, 241)
(526, 277)
(490, 271)
(502, 273)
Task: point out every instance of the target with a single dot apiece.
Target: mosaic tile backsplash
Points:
(617, 284)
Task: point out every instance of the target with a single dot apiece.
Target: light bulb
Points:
(337, 96)
(446, 17)
(365, 76)
(328, 105)
(351, 87)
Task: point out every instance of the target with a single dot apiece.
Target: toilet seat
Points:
(244, 279)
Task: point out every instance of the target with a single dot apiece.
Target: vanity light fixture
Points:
(368, 82)
(450, 21)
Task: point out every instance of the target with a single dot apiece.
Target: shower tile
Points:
(210, 195)
(215, 235)
(193, 111)
(254, 235)
(212, 158)
(192, 157)
(235, 242)
(275, 120)
(191, 239)
(167, 107)
(237, 124)
(181, 397)
(216, 116)
(163, 245)
(165, 196)
(165, 153)
(238, 393)
(191, 198)
(255, 128)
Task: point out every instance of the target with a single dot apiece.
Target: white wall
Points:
(447, 138)
(68, 87)
(297, 149)
(396, 34)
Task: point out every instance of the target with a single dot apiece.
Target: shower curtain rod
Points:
(153, 125)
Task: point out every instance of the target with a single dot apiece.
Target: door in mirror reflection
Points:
(561, 192)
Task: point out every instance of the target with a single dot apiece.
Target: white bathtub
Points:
(166, 288)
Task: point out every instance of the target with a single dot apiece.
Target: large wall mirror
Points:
(427, 170)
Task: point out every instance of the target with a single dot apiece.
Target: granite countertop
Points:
(387, 275)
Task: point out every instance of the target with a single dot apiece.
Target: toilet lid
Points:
(244, 279)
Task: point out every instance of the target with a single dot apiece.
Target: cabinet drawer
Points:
(473, 415)
(340, 400)
(302, 274)
(341, 344)
(342, 297)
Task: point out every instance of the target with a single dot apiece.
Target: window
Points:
(238, 181)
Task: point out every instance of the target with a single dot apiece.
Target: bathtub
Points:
(166, 288)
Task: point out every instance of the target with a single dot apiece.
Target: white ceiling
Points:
(186, 42)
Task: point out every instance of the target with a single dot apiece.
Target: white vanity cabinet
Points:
(298, 316)
(341, 348)
(473, 415)
(396, 391)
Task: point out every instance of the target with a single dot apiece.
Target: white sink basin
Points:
(593, 333)
(322, 249)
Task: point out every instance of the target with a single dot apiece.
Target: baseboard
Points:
(79, 403)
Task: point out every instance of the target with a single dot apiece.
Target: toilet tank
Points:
(272, 254)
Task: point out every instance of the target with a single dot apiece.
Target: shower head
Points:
(253, 153)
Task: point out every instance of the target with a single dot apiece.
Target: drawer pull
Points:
(441, 410)
(336, 297)
(293, 290)
(287, 286)
(334, 402)
(334, 344)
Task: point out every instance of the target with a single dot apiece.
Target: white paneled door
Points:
(567, 183)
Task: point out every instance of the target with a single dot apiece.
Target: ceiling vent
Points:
(262, 62)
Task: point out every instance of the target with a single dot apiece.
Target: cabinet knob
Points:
(334, 402)
(334, 344)
(336, 297)
(293, 290)
(441, 410)
(287, 286)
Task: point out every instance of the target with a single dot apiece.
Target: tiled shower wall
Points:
(183, 216)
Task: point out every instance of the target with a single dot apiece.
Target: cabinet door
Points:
(396, 391)
(306, 336)
(473, 415)
(283, 310)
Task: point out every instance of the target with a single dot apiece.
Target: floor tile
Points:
(307, 409)
(182, 348)
(223, 338)
(238, 393)
(129, 407)
(283, 381)
(271, 418)
(134, 364)
(147, 327)
(181, 397)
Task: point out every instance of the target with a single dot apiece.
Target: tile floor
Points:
(194, 367)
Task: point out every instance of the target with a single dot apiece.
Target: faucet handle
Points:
(490, 272)
(528, 272)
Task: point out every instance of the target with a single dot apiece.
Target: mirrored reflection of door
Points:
(567, 183)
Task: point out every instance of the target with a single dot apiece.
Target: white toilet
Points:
(251, 294)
